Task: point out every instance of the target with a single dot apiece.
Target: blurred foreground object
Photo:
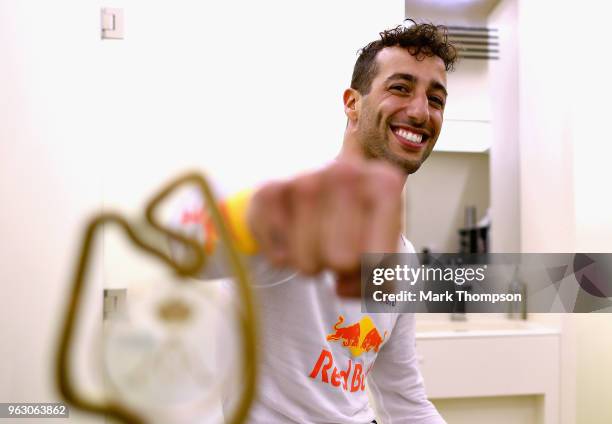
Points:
(154, 359)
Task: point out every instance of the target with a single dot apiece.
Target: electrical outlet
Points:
(114, 306)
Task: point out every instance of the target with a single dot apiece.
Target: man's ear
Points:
(352, 103)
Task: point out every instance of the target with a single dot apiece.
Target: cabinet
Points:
(493, 363)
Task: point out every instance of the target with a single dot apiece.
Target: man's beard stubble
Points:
(376, 148)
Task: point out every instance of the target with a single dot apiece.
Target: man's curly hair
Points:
(421, 40)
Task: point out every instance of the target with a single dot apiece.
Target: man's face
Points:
(400, 119)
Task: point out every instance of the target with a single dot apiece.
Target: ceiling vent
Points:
(474, 42)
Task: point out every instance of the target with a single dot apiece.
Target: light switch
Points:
(108, 21)
(111, 21)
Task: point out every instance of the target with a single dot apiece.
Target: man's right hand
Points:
(325, 220)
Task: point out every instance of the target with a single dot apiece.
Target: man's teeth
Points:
(410, 136)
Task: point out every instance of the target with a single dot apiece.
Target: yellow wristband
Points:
(235, 209)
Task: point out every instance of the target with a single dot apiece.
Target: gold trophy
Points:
(155, 361)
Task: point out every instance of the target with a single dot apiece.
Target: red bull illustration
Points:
(199, 217)
(210, 236)
(359, 337)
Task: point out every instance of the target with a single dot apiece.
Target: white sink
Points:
(480, 328)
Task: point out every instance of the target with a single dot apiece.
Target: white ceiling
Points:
(450, 11)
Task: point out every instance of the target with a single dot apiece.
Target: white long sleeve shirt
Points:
(318, 350)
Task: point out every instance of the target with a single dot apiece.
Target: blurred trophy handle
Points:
(189, 268)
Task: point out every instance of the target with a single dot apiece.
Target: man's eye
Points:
(437, 101)
(400, 88)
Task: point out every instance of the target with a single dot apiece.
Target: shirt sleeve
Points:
(395, 382)
(187, 219)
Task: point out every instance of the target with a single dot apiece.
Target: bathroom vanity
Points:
(512, 364)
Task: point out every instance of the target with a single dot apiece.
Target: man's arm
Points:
(326, 219)
(321, 220)
(396, 383)
(192, 219)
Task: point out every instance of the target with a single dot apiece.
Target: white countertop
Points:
(481, 328)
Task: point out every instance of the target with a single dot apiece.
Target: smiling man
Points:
(307, 234)
(317, 347)
(394, 107)
(397, 115)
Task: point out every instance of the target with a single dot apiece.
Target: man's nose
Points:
(417, 109)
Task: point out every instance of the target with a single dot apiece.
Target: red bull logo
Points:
(200, 217)
(350, 379)
(360, 337)
(210, 234)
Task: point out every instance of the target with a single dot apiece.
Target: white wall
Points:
(244, 90)
(564, 165)
(437, 195)
(50, 179)
(504, 153)
(547, 199)
(592, 150)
